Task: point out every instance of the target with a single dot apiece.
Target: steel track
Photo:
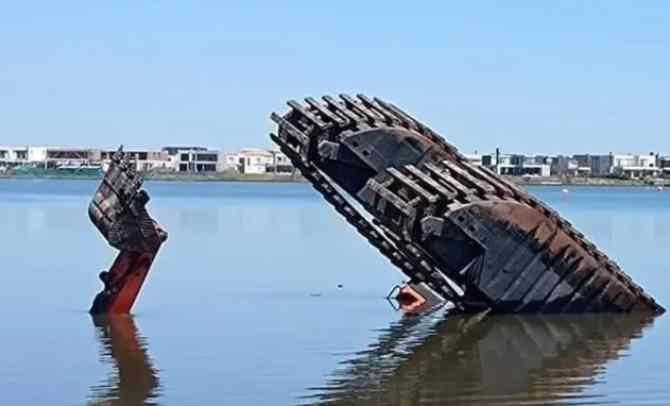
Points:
(441, 186)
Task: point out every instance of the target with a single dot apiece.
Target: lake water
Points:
(242, 307)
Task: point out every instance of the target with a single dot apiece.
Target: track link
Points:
(434, 188)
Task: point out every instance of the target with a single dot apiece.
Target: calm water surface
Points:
(242, 308)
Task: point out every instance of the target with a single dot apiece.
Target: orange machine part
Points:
(124, 281)
(409, 299)
(132, 280)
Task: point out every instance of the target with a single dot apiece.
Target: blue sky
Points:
(527, 76)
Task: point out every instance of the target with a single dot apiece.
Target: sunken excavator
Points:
(459, 232)
(118, 211)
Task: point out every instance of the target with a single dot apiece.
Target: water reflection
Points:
(494, 360)
(133, 380)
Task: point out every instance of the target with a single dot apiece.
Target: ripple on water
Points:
(500, 360)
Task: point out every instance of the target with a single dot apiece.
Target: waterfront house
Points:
(144, 159)
(633, 166)
(13, 156)
(255, 160)
(231, 161)
(281, 164)
(197, 160)
(565, 166)
(520, 165)
(474, 159)
(58, 157)
(664, 165)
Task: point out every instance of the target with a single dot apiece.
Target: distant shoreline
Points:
(297, 178)
(585, 182)
(172, 177)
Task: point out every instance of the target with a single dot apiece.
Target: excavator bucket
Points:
(463, 231)
(119, 213)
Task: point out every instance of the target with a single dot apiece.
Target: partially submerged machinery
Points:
(456, 229)
(118, 211)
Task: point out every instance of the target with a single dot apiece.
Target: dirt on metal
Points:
(459, 229)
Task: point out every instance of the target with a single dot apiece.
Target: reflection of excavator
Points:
(118, 211)
(457, 229)
(135, 379)
(470, 360)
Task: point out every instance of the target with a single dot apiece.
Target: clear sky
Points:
(529, 76)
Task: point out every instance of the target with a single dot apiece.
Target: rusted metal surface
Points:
(119, 213)
(416, 298)
(471, 236)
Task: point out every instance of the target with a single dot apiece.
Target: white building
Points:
(197, 160)
(13, 156)
(633, 166)
(475, 159)
(254, 160)
(542, 170)
(57, 157)
(257, 161)
(522, 165)
(144, 160)
(664, 165)
(193, 159)
(231, 161)
(281, 164)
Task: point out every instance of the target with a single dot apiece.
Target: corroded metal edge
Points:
(303, 126)
(118, 211)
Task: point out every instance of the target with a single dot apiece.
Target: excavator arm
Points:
(118, 210)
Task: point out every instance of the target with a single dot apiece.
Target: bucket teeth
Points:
(119, 213)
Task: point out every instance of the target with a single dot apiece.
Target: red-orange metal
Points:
(136, 269)
(118, 211)
(409, 299)
(123, 282)
(417, 298)
(134, 379)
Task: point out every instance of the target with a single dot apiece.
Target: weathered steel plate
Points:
(470, 235)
